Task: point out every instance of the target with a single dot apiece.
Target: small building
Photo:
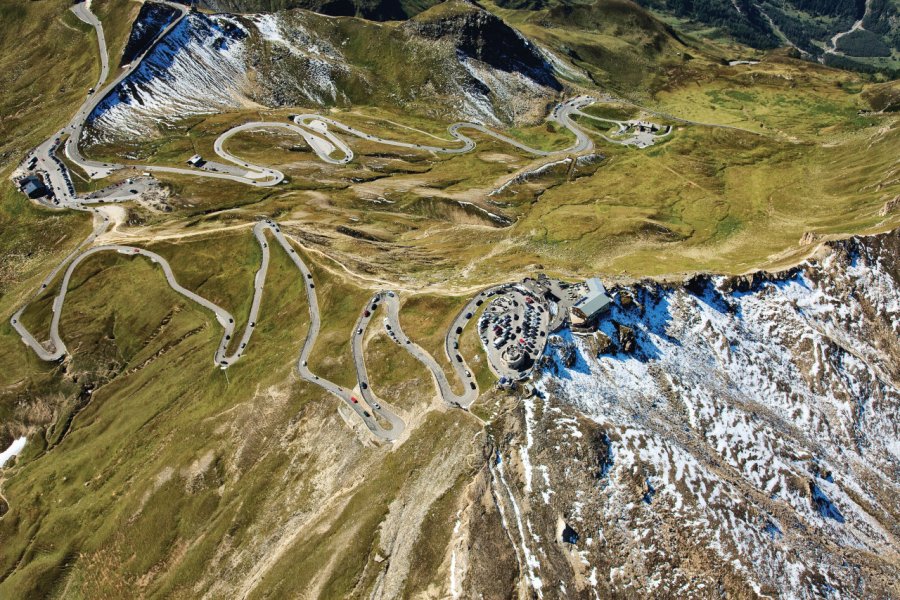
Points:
(588, 308)
(196, 161)
(515, 358)
(33, 187)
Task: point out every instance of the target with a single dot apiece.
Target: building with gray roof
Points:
(588, 308)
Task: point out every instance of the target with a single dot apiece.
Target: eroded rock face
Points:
(199, 67)
(480, 35)
(470, 65)
(748, 445)
(604, 344)
(626, 338)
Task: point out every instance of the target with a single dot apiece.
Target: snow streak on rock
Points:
(212, 63)
(198, 68)
(304, 64)
(761, 417)
(493, 96)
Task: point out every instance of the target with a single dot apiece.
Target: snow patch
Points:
(14, 449)
(789, 385)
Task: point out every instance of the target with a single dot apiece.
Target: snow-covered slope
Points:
(212, 63)
(748, 445)
(198, 68)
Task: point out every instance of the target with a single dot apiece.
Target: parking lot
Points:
(513, 331)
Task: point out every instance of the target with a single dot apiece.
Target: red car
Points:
(355, 401)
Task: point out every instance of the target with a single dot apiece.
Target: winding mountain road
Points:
(55, 348)
(317, 131)
(561, 114)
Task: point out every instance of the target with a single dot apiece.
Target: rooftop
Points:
(595, 300)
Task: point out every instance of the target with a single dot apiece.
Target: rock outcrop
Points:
(746, 446)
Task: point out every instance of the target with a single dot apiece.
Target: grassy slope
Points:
(129, 498)
(705, 199)
(43, 82)
(181, 386)
(202, 263)
(711, 199)
(703, 217)
(116, 16)
(282, 463)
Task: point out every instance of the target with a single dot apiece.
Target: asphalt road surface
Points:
(370, 413)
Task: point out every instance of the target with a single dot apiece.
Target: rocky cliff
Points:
(747, 444)
(466, 64)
